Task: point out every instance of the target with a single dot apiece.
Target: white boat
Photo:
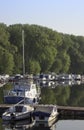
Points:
(45, 113)
(18, 112)
(23, 89)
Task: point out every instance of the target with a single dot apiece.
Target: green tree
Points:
(6, 61)
(4, 36)
(33, 67)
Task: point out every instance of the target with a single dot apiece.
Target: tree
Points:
(6, 61)
(4, 36)
(33, 67)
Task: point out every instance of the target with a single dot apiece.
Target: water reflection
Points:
(44, 126)
(54, 84)
(60, 124)
(26, 125)
(65, 93)
(18, 125)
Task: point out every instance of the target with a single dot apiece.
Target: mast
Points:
(23, 52)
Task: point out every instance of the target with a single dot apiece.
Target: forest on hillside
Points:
(46, 50)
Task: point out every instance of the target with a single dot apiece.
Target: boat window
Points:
(18, 108)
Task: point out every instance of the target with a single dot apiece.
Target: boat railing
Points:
(11, 109)
(19, 103)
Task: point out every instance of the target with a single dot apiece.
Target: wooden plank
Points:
(70, 108)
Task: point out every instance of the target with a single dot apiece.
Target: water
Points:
(60, 125)
(70, 125)
(67, 95)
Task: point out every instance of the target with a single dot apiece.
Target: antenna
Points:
(23, 52)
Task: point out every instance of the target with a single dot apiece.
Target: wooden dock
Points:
(63, 110)
(71, 112)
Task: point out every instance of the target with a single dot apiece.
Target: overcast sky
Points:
(66, 16)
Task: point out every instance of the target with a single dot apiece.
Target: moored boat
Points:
(18, 112)
(45, 113)
(22, 90)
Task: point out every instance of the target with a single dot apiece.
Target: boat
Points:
(45, 113)
(18, 112)
(22, 90)
(45, 125)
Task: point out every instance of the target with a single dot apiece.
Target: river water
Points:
(70, 125)
(60, 125)
(67, 94)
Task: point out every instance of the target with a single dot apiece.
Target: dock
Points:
(71, 112)
(62, 110)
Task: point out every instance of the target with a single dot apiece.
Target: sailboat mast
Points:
(23, 52)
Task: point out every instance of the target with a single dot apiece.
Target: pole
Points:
(23, 52)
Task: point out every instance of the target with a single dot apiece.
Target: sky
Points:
(66, 16)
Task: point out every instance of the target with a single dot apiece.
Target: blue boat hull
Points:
(12, 100)
(15, 99)
(40, 113)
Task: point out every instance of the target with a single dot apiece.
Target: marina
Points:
(65, 113)
(62, 110)
(38, 115)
